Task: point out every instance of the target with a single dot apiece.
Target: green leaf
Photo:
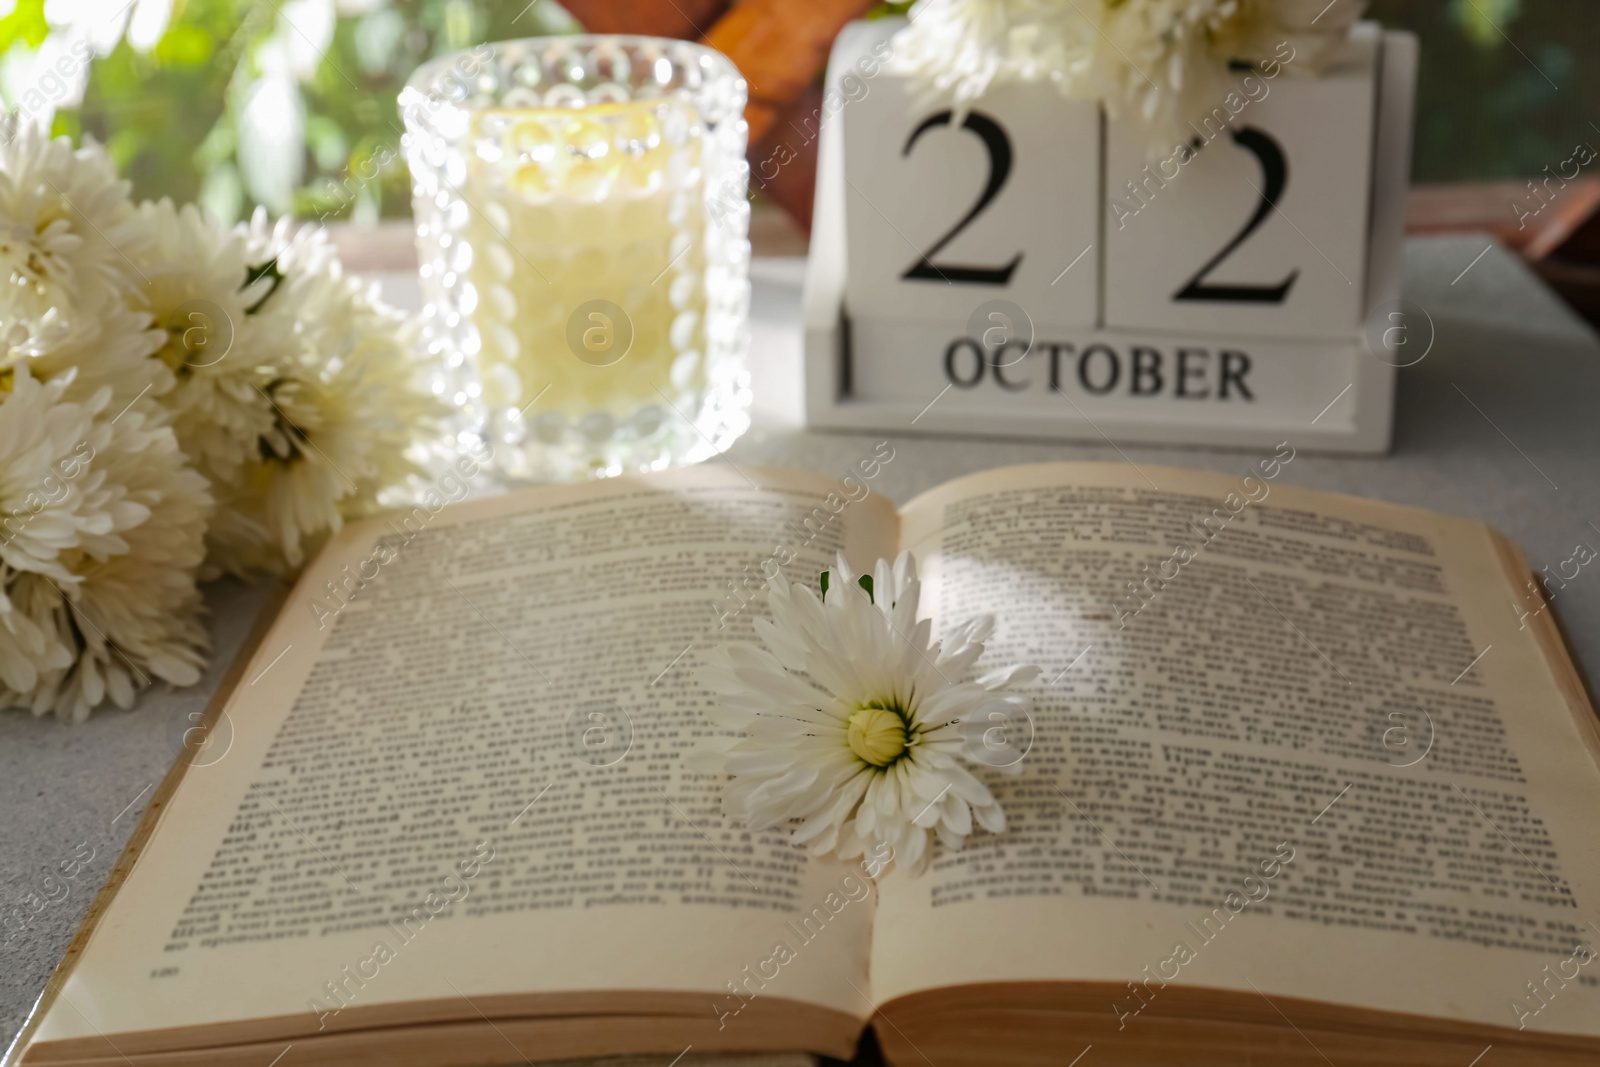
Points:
(185, 46)
(269, 269)
(26, 23)
(865, 582)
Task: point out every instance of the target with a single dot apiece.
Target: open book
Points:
(1311, 780)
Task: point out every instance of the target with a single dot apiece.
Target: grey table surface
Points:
(1500, 421)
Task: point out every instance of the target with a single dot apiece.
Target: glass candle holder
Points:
(583, 247)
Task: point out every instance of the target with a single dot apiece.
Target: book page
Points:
(1285, 742)
(452, 773)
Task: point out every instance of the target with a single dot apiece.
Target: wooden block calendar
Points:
(1025, 266)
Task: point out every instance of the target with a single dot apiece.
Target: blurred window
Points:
(1506, 87)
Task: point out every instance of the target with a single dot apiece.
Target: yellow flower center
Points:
(878, 733)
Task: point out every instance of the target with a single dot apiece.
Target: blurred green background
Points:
(236, 103)
(292, 105)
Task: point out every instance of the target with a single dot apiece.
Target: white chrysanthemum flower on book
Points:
(346, 404)
(103, 529)
(853, 722)
(66, 228)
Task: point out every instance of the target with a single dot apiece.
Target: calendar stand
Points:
(918, 374)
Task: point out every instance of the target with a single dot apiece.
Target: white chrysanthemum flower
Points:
(347, 411)
(1160, 62)
(1315, 30)
(103, 529)
(222, 338)
(67, 228)
(112, 349)
(960, 47)
(852, 722)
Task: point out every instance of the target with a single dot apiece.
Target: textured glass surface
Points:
(582, 232)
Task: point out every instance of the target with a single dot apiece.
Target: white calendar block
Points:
(948, 211)
(1255, 225)
(1235, 390)
(967, 282)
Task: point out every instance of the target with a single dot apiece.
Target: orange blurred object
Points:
(780, 48)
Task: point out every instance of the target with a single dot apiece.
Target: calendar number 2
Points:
(998, 145)
(1275, 178)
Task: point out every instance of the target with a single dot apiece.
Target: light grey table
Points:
(1501, 421)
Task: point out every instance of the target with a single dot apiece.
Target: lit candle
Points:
(603, 204)
(581, 229)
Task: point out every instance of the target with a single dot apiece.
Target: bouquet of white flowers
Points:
(177, 399)
(1160, 62)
